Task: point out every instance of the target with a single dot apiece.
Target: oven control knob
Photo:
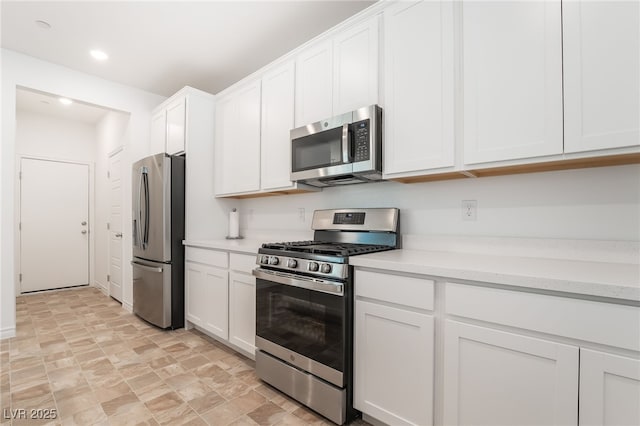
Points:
(325, 268)
(274, 260)
(292, 263)
(264, 260)
(313, 266)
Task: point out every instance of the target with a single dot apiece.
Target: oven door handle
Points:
(314, 284)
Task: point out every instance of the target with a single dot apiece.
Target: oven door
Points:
(304, 322)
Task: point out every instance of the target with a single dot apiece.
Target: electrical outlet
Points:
(469, 210)
(302, 215)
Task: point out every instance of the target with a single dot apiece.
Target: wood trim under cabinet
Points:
(576, 163)
(272, 193)
(430, 178)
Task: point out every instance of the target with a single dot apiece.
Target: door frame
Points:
(18, 216)
(116, 151)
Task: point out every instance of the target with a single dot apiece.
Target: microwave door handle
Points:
(346, 144)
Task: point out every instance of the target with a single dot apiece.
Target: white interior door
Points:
(115, 226)
(54, 224)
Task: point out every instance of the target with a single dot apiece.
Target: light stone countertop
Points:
(600, 279)
(589, 278)
(244, 246)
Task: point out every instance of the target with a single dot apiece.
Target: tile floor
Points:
(79, 353)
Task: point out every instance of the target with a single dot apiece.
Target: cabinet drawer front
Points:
(598, 322)
(242, 262)
(408, 291)
(209, 257)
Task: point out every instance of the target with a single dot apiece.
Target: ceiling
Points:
(47, 104)
(161, 47)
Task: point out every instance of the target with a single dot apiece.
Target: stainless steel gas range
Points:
(304, 307)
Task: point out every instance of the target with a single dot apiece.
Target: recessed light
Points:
(99, 55)
(65, 101)
(43, 24)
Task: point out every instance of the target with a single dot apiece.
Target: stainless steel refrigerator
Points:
(158, 231)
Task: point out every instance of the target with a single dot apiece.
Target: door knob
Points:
(83, 222)
(84, 231)
(119, 235)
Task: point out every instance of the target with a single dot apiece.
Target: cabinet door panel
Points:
(242, 306)
(196, 290)
(176, 119)
(277, 120)
(494, 377)
(609, 389)
(207, 298)
(314, 83)
(601, 69)
(512, 75)
(356, 67)
(158, 133)
(419, 86)
(238, 141)
(394, 364)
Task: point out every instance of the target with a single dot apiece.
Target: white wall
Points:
(111, 134)
(598, 203)
(21, 70)
(54, 137)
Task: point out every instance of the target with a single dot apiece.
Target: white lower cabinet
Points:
(500, 372)
(609, 389)
(220, 296)
(493, 377)
(242, 311)
(394, 348)
(394, 364)
(448, 353)
(206, 298)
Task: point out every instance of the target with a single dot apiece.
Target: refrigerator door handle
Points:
(138, 214)
(145, 267)
(146, 209)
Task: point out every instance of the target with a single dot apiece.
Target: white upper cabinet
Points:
(419, 91)
(176, 119)
(355, 53)
(188, 114)
(512, 80)
(601, 74)
(314, 82)
(238, 141)
(158, 133)
(338, 75)
(277, 121)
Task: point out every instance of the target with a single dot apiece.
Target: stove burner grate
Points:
(326, 248)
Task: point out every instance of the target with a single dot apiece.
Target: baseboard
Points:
(127, 307)
(101, 287)
(372, 420)
(7, 333)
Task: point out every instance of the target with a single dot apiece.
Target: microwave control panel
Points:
(361, 140)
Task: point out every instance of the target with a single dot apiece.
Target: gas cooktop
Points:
(326, 248)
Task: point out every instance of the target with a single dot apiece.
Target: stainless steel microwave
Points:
(341, 150)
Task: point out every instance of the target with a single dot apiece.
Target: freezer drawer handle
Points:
(146, 268)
